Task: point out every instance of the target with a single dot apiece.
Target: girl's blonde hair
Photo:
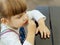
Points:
(12, 7)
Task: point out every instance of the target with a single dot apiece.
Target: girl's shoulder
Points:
(10, 37)
(9, 32)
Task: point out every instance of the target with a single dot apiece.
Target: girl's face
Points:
(18, 20)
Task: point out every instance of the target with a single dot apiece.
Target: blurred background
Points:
(34, 3)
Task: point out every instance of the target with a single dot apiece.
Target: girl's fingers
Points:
(31, 22)
(37, 30)
(44, 34)
(48, 34)
(41, 34)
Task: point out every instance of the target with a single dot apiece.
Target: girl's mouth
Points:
(25, 22)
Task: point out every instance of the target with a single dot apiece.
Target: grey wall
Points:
(55, 19)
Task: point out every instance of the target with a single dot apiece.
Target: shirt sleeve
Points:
(29, 14)
(26, 43)
(36, 15)
(11, 39)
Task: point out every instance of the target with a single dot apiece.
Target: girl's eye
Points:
(25, 11)
(19, 16)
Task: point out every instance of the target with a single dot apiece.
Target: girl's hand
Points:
(43, 29)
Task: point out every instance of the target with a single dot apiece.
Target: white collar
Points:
(4, 27)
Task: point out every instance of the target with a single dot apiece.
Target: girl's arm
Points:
(40, 18)
(31, 32)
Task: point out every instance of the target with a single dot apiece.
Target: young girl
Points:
(14, 16)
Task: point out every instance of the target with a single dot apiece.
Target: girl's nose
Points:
(25, 18)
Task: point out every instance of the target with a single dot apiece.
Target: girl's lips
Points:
(25, 22)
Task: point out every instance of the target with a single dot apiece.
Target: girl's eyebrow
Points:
(20, 15)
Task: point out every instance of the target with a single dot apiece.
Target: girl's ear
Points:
(4, 20)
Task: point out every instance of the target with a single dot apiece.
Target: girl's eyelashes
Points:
(25, 11)
(19, 16)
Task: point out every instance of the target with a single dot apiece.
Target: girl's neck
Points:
(4, 27)
(10, 26)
